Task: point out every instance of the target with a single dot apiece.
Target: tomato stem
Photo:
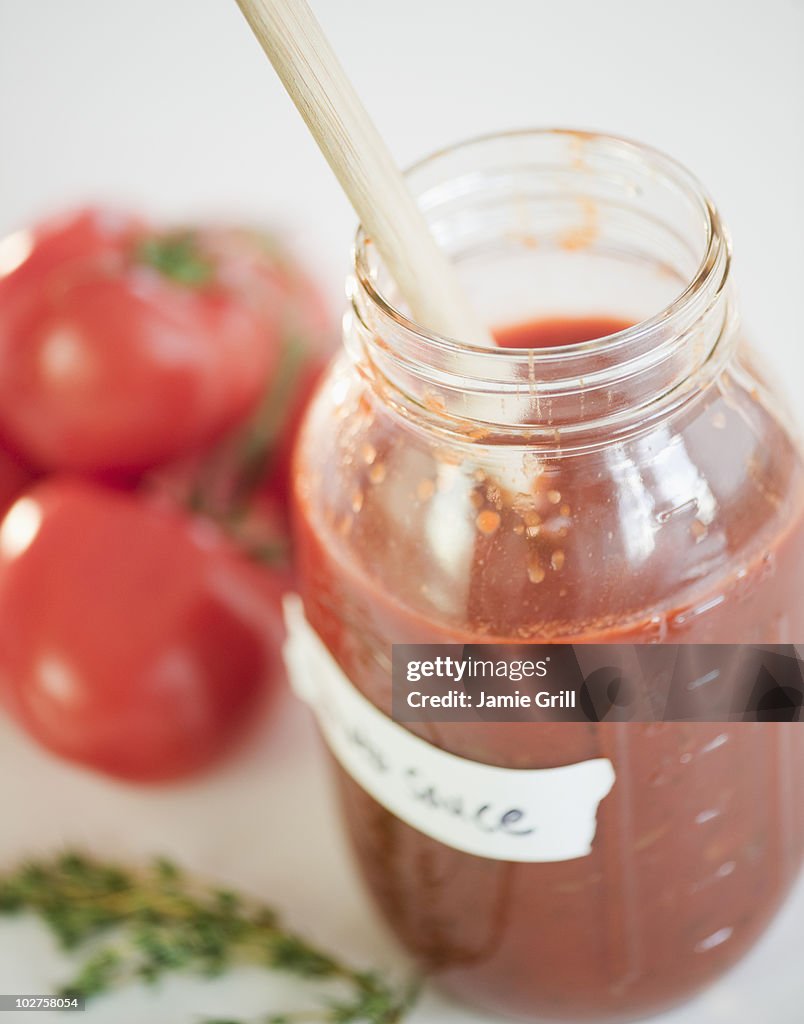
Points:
(178, 257)
(258, 445)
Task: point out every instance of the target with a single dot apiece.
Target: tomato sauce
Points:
(703, 831)
(552, 332)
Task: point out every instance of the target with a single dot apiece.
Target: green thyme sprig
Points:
(159, 922)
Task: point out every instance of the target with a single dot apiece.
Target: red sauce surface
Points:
(559, 330)
(691, 537)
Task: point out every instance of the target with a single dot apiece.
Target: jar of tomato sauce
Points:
(617, 470)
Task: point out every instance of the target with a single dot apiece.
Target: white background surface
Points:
(170, 105)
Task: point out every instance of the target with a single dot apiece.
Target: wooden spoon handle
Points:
(295, 44)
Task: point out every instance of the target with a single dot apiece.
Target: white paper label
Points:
(545, 814)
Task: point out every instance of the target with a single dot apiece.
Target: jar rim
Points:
(711, 272)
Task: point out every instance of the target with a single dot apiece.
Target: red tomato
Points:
(123, 348)
(34, 255)
(15, 476)
(257, 453)
(132, 639)
(256, 523)
(242, 481)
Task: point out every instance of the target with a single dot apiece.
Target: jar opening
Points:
(550, 223)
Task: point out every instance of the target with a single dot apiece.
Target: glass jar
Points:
(641, 487)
